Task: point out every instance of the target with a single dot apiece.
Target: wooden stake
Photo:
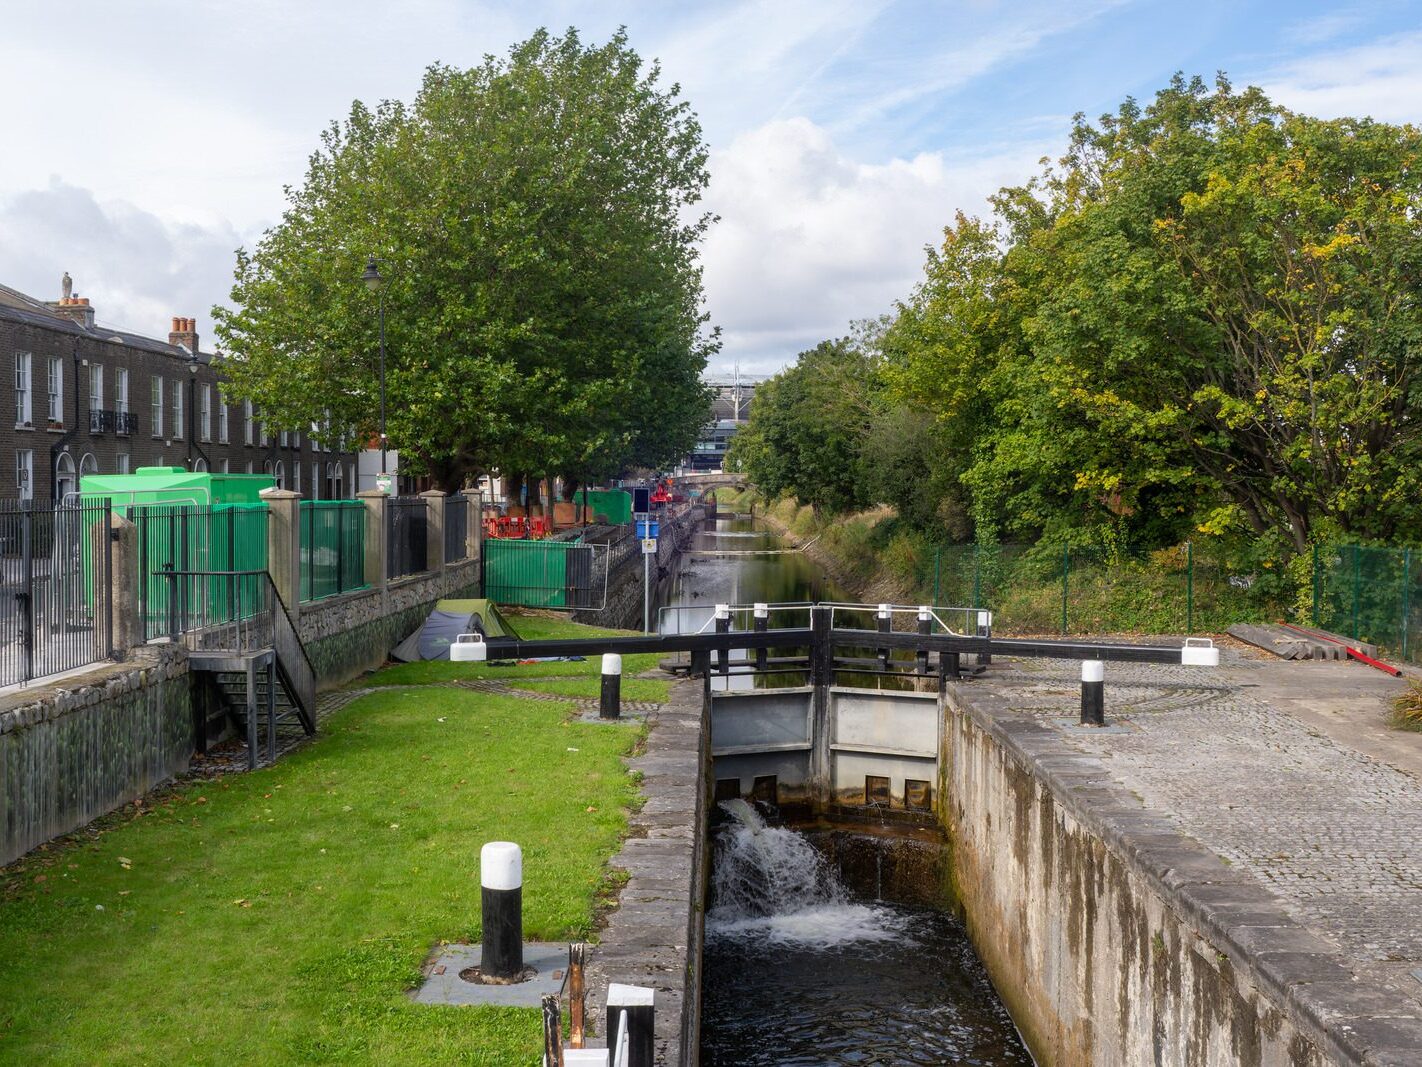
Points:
(577, 995)
(552, 1031)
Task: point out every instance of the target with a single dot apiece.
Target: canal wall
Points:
(623, 609)
(1111, 937)
(654, 936)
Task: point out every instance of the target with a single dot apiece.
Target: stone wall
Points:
(82, 746)
(1111, 937)
(347, 635)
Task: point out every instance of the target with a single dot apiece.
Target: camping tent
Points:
(448, 620)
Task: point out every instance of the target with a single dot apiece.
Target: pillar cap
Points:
(630, 996)
(723, 611)
(372, 494)
(611, 663)
(1093, 670)
(430, 493)
(278, 494)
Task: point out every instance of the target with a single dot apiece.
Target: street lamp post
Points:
(376, 284)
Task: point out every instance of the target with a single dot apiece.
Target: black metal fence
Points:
(332, 547)
(456, 528)
(406, 536)
(56, 595)
(227, 611)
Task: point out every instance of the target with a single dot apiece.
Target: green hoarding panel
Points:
(609, 505)
(531, 573)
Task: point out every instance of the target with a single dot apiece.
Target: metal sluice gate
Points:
(825, 742)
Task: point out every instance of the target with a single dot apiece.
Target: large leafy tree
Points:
(537, 225)
(1207, 313)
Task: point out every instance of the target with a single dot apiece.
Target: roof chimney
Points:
(184, 332)
(71, 306)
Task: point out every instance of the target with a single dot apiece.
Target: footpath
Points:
(1287, 772)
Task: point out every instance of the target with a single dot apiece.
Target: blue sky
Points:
(146, 140)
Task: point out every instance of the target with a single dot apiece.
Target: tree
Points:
(536, 218)
(807, 428)
(1205, 315)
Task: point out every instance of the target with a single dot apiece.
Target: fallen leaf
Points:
(243, 902)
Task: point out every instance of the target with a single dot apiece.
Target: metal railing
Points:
(56, 589)
(332, 548)
(218, 611)
(456, 528)
(109, 421)
(216, 538)
(406, 536)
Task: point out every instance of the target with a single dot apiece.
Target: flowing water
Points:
(797, 969)
(799, 972)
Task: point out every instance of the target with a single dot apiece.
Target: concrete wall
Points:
(1111, 938)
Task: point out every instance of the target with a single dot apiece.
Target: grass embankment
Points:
(281, 916)
(878, 559)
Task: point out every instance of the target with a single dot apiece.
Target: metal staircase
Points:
(242, 643)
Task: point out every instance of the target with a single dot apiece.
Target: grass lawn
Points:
(632, 688)
(529, 627)
(281, 916)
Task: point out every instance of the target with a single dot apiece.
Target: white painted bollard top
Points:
(501, 865)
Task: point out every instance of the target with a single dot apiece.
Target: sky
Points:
(145, 141)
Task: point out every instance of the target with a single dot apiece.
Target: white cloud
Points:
(810, 239)
(138, 269)
(1382, 79)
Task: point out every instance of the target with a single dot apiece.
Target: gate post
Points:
(821, 675)
(375, 548)
(284, 545)
(434, 529)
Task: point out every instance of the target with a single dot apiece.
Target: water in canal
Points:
(797, 969)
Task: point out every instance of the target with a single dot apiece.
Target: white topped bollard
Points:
(985, 630)
(501, 900)
(762, 625)
(610, 706)
(925, 629)
(1093, 693)
(723, 626)
(634, 1005)
(885, 618)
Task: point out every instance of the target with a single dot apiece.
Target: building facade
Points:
(87, 399)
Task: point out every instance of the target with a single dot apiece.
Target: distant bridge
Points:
(714, 480)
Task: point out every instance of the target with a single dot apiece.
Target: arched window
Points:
(266, 466)
(88, 465)
(199, 464)
(280, 474)
(337, 482)
(64, 480)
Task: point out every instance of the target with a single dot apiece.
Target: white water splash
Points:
(769, 883)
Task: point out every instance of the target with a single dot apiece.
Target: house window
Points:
(280, 474)
(121, 390)
(225, 466)
(56, 390)
(249, 466)
(23, 416)
(96, 387)
(206, 424)
(247, 421)
(25, 473)
(296, 475)
(121, 463)
(156, 401)
(178, 410)
(221, 419)
(316, 480)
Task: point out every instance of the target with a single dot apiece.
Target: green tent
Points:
(445, 622)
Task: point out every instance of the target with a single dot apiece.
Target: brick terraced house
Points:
(88, 399)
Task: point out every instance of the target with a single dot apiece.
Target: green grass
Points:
(632, 688)
(281, 916)
(529, 627)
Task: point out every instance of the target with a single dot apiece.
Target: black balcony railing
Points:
(109, 421)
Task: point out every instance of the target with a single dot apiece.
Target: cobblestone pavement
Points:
(1336, 834)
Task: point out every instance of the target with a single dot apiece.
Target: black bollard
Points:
(1093, 693)
(501, 897)
(762, 625)
(723, 626)
(985, 630)
(925, 628)
(886, 623)
(638, 1003)
(611, 704)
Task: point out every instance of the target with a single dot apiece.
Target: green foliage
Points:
(536, 218)
(281, 916)
(808, 425)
